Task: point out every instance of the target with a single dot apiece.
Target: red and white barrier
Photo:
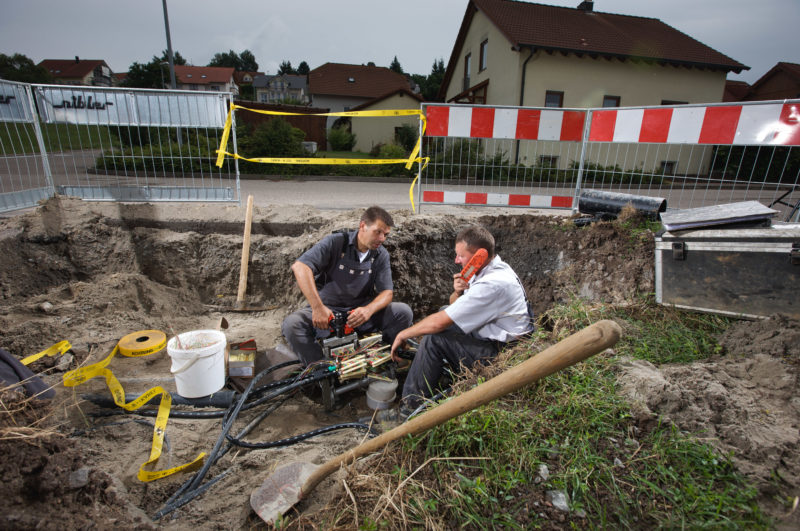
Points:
(515, 200)
(758, 124)
(505, 123)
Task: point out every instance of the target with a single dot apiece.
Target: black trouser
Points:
(299, 331)
(451, 346)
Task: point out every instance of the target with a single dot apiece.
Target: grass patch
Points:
(485, 469)
(21, 138)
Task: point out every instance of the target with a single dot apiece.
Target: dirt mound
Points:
(745, 402)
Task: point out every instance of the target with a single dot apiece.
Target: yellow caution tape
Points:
(59, 348)
(137, 344)
(411, 193)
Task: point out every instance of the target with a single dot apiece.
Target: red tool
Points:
(474, 264)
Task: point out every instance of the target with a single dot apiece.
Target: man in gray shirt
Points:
(346, 272)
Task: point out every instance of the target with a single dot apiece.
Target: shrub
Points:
(341, 139)
(275, 138)
(391, 151)
(406, 136)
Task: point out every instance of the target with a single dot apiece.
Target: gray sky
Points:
(755, 33)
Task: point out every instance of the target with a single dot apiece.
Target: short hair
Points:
(476, 237)
(375, 213)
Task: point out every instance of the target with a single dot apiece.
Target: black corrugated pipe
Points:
(596, 203)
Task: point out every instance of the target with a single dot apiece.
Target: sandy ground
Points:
(92, 273)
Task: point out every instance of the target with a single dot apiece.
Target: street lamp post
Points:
(169, 47)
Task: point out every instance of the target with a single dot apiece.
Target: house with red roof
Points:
(510, 52)
(373, 131)
(780, 83)
(92, 72)
(340, 87)
(205, 78)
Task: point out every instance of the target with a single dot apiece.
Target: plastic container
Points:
(381, 394)
(198, 367)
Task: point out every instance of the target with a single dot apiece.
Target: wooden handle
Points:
(569, 351)
(245, 250)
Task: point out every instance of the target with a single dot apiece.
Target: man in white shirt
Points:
(484, 315)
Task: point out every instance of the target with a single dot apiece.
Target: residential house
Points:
(92, 72)
(373, 131)
(735, 90)
(340, 87)
(205, 78)
(244, 83)
(781, 82)
(518, 53)
(282, 88)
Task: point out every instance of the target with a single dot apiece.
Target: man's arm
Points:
(362, 314)
(305, 281)
(432, 324)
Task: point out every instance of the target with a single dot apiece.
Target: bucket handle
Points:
(185, 367)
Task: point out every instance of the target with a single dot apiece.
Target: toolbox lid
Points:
(693, 218)
(778, 232)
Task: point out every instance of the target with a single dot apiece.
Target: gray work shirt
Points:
(346, 281)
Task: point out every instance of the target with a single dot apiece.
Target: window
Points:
(548, 161)
(553, 98)
(611, 101)
(467, 68)
(667, 167)
(263, 97)
(483, 57)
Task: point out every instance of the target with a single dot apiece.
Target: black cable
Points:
(297, 438)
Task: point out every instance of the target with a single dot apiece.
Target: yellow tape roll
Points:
(137, 344)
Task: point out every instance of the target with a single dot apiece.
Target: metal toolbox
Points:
(745, 272)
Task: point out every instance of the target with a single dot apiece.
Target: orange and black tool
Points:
(338, 324)
(474, 264)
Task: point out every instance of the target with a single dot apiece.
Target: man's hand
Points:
(320, 316)
(459, 284)
(358, 316)
(399, 342)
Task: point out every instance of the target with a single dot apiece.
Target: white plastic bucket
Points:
(199, 367)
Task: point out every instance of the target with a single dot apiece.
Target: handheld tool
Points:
(474, 264)
(292, 482)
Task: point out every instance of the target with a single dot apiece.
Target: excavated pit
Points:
(91, 273)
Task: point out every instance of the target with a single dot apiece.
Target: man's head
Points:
(373, 228)
(469, 240)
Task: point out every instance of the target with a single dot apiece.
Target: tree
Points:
(19, 67)
(246, 62)
(434, 81)
(286, 68)
(154, 74)
(303, 69)
(395, 66)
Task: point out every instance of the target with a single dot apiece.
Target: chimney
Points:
(77, 59)
(586, 5)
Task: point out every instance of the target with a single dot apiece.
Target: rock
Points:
(46, 307)
(79, 478)
(618, 463)
(542, 473)
(64, 362)
(579, 513)
(559, 499)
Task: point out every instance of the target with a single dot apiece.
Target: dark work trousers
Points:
(451, 346)
(299, 331)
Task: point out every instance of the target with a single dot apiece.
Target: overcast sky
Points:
(757, 33)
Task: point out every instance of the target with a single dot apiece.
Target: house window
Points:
(483, 57)
(467, 68)
(667, 167)
(264, 97)
(611, 101)
(553, 98)
(548, 161)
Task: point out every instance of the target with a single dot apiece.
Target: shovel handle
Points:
(575, 348)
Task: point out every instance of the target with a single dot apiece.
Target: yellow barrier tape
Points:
(137, 344)
(411, 194)
(59, 348)
(288, 160)
(225, 134)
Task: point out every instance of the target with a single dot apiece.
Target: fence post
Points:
(579, 177)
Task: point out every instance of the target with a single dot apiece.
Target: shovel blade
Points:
(280, 491)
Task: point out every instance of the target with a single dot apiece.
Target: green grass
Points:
(21, 138)
(577, 424)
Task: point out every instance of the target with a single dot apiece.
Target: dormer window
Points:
(351, 80)
(188, 75)
(204, 76)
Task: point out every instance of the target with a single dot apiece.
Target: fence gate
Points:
(24, 171)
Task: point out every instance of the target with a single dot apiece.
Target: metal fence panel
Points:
(24, 169)
(113, 144)
(692, 155)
